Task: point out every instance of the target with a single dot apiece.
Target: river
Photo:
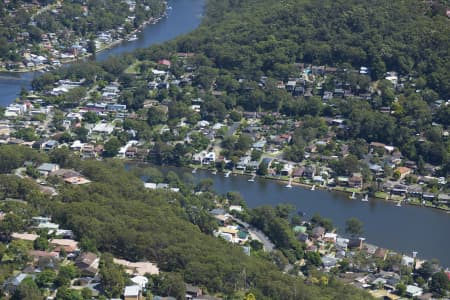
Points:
(403, 229)
(184, 17)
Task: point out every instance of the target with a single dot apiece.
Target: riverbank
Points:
(385, 225)
(348, 191)
(63, 61)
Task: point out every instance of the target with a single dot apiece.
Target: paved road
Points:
(232, 129)
(267, 244)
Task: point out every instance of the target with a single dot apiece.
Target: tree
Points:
(313, 258)
(439, 284)
(65, 293)
(243, 143)
(86, 293)
(111, 147)
(46, 278)
(65, 275)
(28, 290)
(354, 227)
(155, 116)
(172, 284)
(205, 185)
(401, 289)
(426, 270)
(41, 243)
(10, 224)
(90, 117)
(262, 169)
(61, 156)
(249, 296)
(91, 47)
(112, 276)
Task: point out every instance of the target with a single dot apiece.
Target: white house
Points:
(413, 291)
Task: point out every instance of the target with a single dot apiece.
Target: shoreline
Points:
(42, 68)
(141, 163)
(328, 189)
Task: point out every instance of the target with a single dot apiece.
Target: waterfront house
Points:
(356, 180)
(381, 253)
(309, 172)
(403, 171)
(243, 162)
(318, 232)
(399, 189)
(355, 243)
(342, 243)
(330, 237)
(444, 198)
(342, 180)
(407, 261)
(303, 237)
(428, 197)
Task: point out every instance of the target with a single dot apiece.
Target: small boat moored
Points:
(132, 38)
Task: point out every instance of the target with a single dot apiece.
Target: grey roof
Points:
(47, 167)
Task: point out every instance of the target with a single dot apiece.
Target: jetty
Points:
(253, 178)
(289, 185)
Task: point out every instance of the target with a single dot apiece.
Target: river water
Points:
(403, 229)
(184, 17)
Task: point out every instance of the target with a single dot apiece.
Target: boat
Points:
(313, 188)
(227, 174)
(365, 199)
(399, 204)
(194, 171)
(132, 38)
(214, 172)
(289, 185)
(253, 178)
(353, 196)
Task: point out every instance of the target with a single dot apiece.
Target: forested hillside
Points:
(267, 36)
(116, 214)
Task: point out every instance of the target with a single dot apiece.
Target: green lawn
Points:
(133, 68)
